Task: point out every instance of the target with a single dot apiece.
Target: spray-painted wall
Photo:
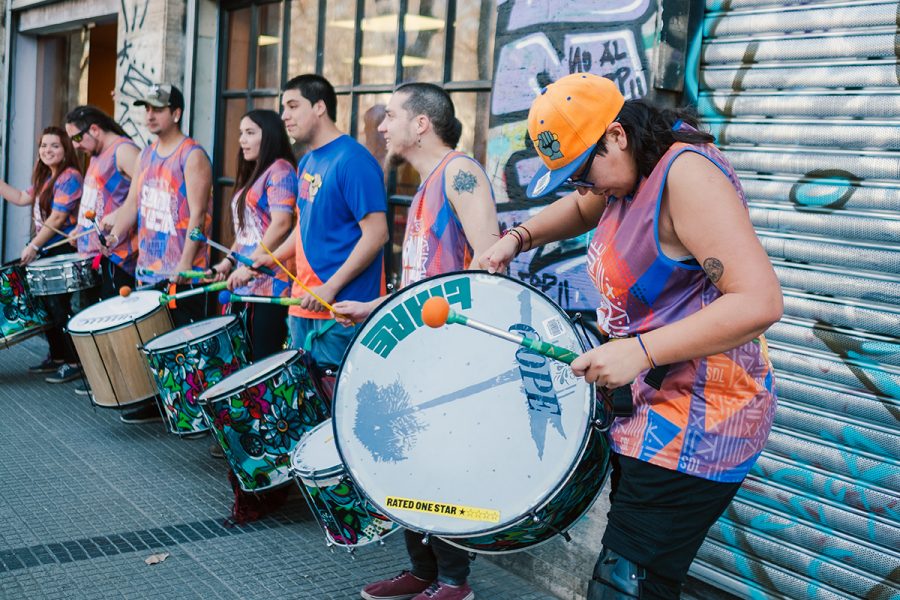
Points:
(804, 99)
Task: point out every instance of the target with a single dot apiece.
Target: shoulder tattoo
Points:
(464, 182)
(714, 268)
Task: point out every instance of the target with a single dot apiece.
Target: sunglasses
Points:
(581, 181)
(80, 135)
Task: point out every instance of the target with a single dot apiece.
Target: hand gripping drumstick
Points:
(92, 217)
(65, 241)
(436, 312)
(225, 297)
(297, 281)
(198, 236)
(212, 287)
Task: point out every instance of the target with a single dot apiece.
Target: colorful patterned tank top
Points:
(163, 213)
(105, 189)
(273, 191)
(66, 196)
(712, 415)
(434, 242)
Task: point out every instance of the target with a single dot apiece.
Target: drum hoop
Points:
(34, 266)
(232, 319)
(311, 474)
(208, 399)
(129, 323)
(544, 499)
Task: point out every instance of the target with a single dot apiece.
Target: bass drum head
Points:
(453, 431)
(115, 312)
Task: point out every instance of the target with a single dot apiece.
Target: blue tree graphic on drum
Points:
(385, 423)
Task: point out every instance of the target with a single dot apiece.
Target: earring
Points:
(419, 142)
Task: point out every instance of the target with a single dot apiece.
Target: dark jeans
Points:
(659, 518)
(112, 278)
(437, 559)
(266, 325)
(60, 309)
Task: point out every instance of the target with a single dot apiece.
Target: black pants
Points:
(59, 308)
(659, 518)
(112, 278)
(437, 559)
(266, 325)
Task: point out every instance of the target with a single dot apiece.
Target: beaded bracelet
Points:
(646, 352)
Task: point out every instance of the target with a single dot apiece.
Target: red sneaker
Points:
(402, 587)
(445, 591)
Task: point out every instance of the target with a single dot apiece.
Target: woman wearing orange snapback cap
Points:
(683, 282)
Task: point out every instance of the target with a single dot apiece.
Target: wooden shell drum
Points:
(258, 415)
(107, 336)
(61, 274)
(21, 314)
(348, 519)
(186, 361)
(460, 434)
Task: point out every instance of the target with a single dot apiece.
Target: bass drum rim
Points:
(546, 497)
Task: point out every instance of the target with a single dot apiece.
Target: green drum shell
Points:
(260, 419)
(182, 373)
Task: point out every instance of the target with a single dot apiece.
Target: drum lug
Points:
(565, 534)
(601, 425)
(426, 539)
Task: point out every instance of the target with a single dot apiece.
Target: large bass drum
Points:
(459, 434)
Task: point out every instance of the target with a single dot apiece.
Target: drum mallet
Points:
(198, 236)
(226, 297)
(92, 217)
(436, 312)
(64, 242)
(212, 287)
(182, 274)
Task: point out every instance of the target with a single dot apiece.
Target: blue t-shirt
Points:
(339, 184)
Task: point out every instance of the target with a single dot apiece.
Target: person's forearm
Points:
(56, 220)
(126, 218)
(16, 196)
(191, 247)
(364, 252)
(559, 221)
(276, 234)
(726, 323)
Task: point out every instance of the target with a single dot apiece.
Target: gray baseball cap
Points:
(162, 95)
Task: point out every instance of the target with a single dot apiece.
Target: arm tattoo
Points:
(714, 269)
(464, 182)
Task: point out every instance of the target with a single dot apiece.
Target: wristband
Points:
(231, 259)
(33, 247)
(530, 239)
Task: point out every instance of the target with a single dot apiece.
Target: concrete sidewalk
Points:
(85, 499)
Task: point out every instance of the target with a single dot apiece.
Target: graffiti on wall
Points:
(135, 76)
(537, 43)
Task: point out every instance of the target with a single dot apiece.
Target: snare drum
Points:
(107, 336)
(454, 432)
(21, 315)
(347, 518)
(186, 361)
(61, 274)
(258, 415)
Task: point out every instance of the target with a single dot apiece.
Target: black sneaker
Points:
(145, 414)
(82, 389)
(47, 366)
(64, 374)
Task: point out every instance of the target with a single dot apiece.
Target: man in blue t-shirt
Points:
(338, 243)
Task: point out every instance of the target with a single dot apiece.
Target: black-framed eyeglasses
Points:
(80, 135)
(581, 181)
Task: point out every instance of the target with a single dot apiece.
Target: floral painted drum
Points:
(258, 415)
(21, 314)
(348, 519)
(186, 361)
(456, 433)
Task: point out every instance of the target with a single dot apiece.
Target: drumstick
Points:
(297, 281)
(55, 230)
(436, 312)
(225, 297)
(92, 216)
(212, 287)
(198, 236)
(65, 241)
(182, 274)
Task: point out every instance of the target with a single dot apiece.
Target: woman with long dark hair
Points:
(55, 192)
(684, 284)
(262, 211)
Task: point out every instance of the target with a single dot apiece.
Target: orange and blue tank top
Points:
(275, 190)
(67, 191)
(434, 242)
(712, 415)
(163, 212)
(105, 190)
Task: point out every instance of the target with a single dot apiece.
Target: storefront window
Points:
(425, 26)
(268, 42)
(339, 42)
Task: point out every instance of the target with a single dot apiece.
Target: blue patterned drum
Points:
(21, 314)
(456, 433)
(258, 415)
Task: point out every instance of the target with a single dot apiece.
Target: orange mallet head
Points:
(90, 214)
(435, 311)
(124, 291)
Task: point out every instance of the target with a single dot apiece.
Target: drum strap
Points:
(316, 333)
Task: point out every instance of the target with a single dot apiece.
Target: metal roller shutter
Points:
(804, 98)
